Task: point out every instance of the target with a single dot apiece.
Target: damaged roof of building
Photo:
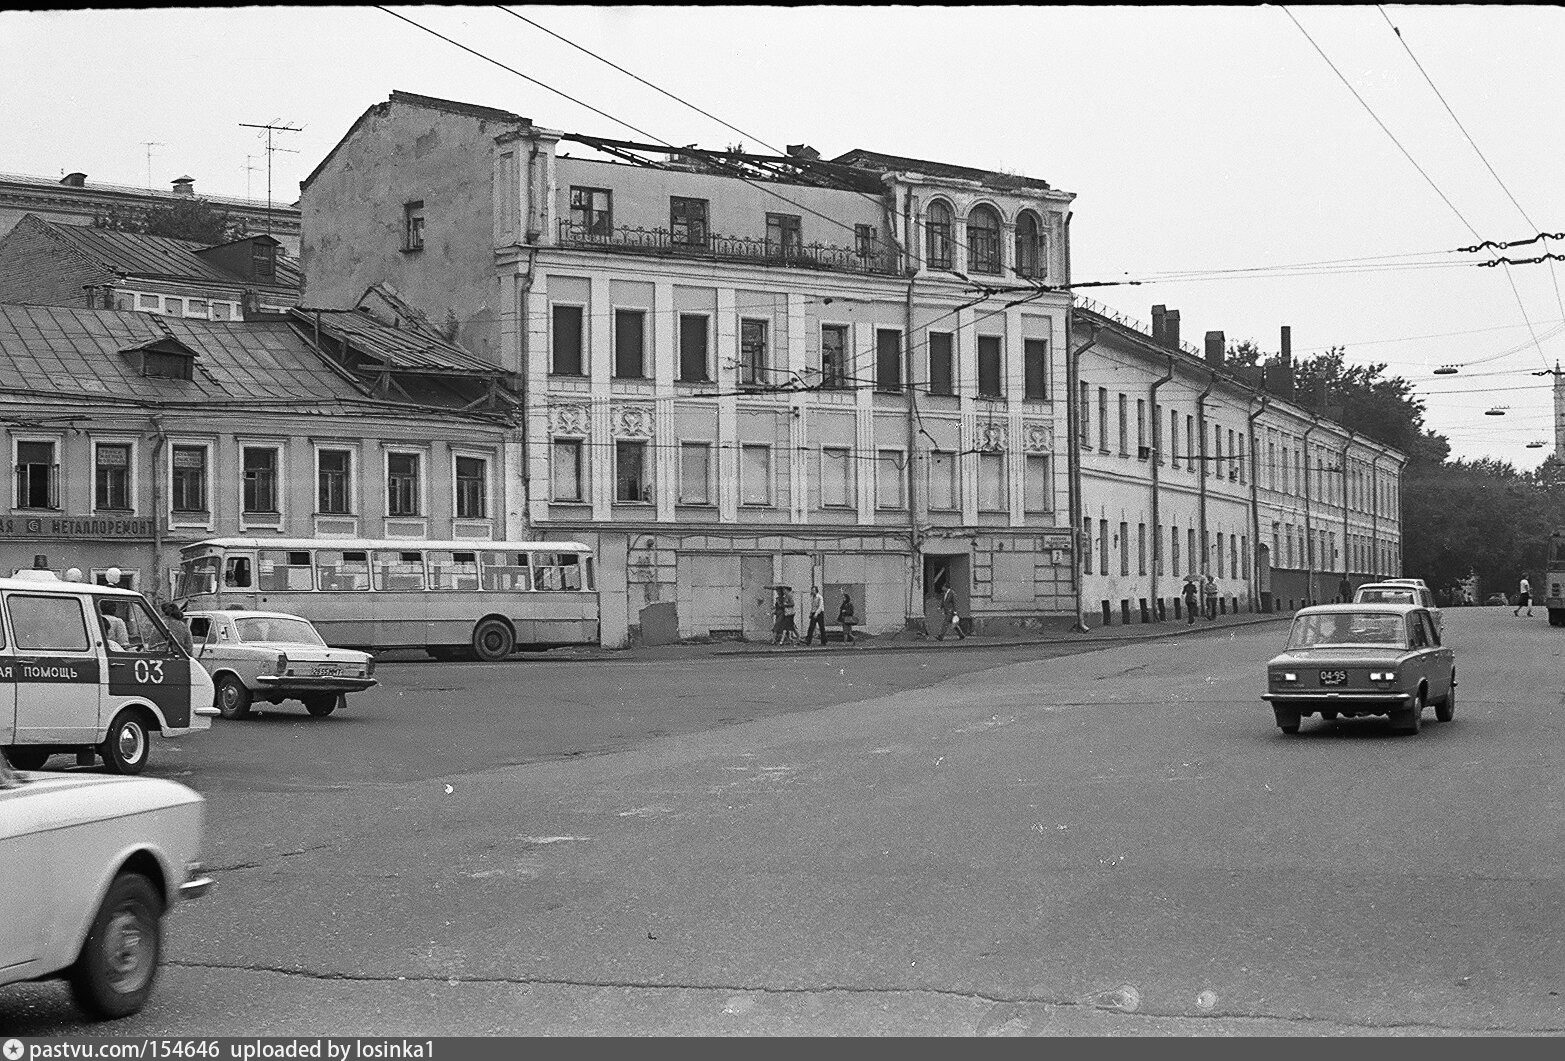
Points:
(134, 254)
(409, 348)
(882, 163)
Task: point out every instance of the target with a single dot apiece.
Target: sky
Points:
(1252, 167)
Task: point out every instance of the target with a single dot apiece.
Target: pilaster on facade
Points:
(725, 356)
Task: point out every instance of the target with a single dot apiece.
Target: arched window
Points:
(937, 223)
(983, 240)
(1029, 246)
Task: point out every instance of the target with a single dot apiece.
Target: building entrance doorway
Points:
(939, 572)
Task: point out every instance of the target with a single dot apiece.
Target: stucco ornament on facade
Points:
(992, 437)
(632, 421)
(570, 420)
(1039, 438)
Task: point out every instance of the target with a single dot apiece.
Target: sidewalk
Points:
(908, 641)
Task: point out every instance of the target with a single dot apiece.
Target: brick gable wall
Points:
(36, 269)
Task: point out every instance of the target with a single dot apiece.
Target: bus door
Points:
(7, 696)
(401, 604)
(238, 576)
(148, 665)
(56, 663)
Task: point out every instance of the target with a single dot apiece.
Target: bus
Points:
(1554, 580)
(454, 599)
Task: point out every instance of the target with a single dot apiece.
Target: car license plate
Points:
(1333, 677)
(328, 670)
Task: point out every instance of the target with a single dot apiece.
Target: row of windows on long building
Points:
(38, 483)
(1105, 551)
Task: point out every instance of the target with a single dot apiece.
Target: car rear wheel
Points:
(27, 758)
(1287, 719)
(233, 699)
(493, 640)
(113, 975)
(1446, 709)
(1328, 716)
(125, 746)
(324, 704)
(1410, 718)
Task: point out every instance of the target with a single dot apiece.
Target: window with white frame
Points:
(403, 484)
(755, 475)
(37, 474)
(889, 472)
(567, 343)
(943, 494)
(261, 465)
(695, 473)
(592, 212)
(188, 480)
(752, 352)
(1037, 488)
(937, 226)
(983, 240)
(565, 473)
(991, 482)
(631, 482)
(111, 475)
(834, 356)
(334, 481)
(471, 487)
(836, 477)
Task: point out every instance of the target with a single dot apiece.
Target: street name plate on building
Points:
(83, 527)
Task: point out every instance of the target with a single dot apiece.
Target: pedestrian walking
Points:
(817, 616)
(1344, 591)
(1524, 598)
(1209, 596)
(790, 629)
(847, 618)
(948, 615)
(779, 617)
(1192, 595)
(174, 619)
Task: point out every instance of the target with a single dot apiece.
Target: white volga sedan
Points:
(273, 656)
(89, 864)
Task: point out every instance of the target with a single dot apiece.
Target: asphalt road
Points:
(1113, 842)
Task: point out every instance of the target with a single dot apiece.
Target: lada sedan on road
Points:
(1362, 659)
(274, 657)
(89, 864)
(1401, 591)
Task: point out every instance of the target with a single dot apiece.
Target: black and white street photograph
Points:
(779, 522)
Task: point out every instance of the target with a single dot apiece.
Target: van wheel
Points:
(27, 758)
(113, 975)
(124, 748)
(324, 704)
(493, 640)
(233, 699)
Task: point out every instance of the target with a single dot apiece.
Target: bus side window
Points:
(236, 572)
(506, 572)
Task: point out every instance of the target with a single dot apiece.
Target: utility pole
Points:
(149, 145)
(272, 127)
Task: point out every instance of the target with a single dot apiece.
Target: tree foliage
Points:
(195, 220)
(1379, 407)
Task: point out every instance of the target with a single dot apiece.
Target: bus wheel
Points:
(493, 640)
(124, 748)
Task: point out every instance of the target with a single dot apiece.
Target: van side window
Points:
(236, 572)
(47, 624)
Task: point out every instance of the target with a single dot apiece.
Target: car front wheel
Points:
(125, 747)
(324, 704)
(233, 699)
(118, 963)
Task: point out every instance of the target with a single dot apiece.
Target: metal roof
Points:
(53, 184)
(159, 256)
(408, 349)
(55, 352)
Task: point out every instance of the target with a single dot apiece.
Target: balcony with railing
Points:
(662, 242)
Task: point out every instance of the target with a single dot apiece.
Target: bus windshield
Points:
(197, 576)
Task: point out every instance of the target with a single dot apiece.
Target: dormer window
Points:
(263, 261)
(163, 359)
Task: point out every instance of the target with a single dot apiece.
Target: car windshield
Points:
(276, 628)
(1346, 628)
(1385, 595)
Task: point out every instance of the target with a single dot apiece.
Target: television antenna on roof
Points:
(149, 145)
(272, 127)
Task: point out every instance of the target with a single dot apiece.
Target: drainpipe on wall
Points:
(1255, 507)
(910, 267)
(1073, 457)
(1374, 521)
(1200, 426)
(1157, 459)
(1346, 552)
(1309, 533)
(158, 449)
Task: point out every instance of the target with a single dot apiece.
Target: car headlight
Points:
(1382, 675)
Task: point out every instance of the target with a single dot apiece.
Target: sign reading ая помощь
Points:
(101, 527)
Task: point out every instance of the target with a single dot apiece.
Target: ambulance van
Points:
(91, 670)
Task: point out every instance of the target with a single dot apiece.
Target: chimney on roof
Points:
(1214, 349)
(185, 187)
(1158, 313)
(803, 151)
(74, 180)
(1171, 329)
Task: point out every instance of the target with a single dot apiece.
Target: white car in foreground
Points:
(89, 864)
